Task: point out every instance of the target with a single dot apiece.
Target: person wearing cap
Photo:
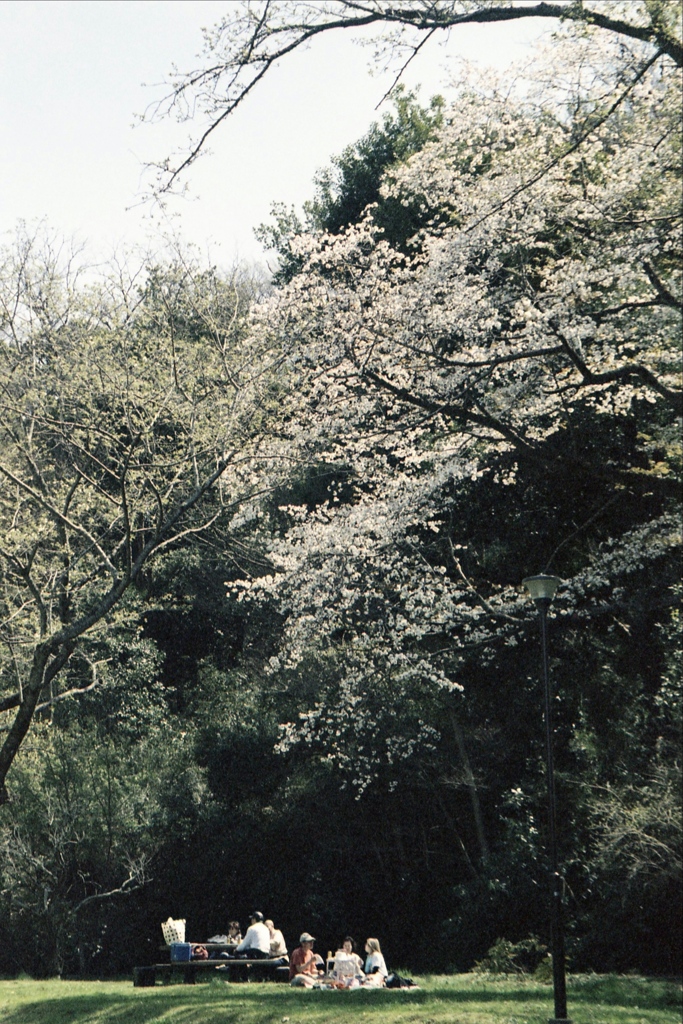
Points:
(303, 969)
(256, 943)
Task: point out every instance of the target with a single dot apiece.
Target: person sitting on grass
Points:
(347, 963)
(375, 967)
(303, 969)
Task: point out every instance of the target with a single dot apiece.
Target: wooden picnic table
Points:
(231, 969)
(224, 947)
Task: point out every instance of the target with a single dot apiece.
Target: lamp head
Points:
(542, 588)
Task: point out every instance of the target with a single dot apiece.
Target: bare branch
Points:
(48, 506)
(257, 36)
(136, 880)
(470, 586)
(15, 700)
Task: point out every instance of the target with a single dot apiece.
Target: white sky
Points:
(71, 74)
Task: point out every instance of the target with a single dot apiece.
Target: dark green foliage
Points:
(344, 190)
(506, 957)
(352, 183)
(233, 824)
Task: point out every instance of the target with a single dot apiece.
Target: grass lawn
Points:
(458, 999)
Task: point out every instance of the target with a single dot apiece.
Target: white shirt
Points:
(257, 937)
(376, 960)
(341, 955)
(278, 946)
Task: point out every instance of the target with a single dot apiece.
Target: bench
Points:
(230, 970)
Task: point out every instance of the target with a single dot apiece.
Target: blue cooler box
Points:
(181, 951)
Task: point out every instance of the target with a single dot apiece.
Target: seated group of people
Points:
(262, 940)
(306, 968)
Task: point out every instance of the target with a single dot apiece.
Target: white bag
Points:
(174, 931)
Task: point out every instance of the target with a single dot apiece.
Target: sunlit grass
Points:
(457, 999)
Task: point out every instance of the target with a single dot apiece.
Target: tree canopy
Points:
(343, 489)
(501, 396)
(353, 181)
(530, 342)
(122, 407)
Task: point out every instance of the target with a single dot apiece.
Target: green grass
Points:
(457, 999)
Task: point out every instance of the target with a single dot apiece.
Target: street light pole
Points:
(542, 590)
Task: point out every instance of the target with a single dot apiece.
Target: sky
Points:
(74, 74)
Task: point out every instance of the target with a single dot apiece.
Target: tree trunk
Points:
(23, 717)
(471, 784)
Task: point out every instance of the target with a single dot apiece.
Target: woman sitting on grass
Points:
(347, 953)
(375, 967)
(348, 966)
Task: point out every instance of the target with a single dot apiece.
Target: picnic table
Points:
(232, 970)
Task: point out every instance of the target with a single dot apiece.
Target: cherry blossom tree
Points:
(526, 344)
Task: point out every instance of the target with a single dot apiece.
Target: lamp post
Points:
(542, 590)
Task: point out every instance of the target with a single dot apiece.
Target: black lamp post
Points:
(542, 590)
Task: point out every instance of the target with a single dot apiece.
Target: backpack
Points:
(396, 981)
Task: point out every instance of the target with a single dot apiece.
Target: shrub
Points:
(526, 957)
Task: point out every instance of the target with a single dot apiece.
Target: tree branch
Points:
(666, 297)
(644, 68)
(466, 413)
(470, 586)
(260, 35)
(15, 699)
(628, 372)
(61, 644)
(136, 880)
(59, 517)
(42, 672)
